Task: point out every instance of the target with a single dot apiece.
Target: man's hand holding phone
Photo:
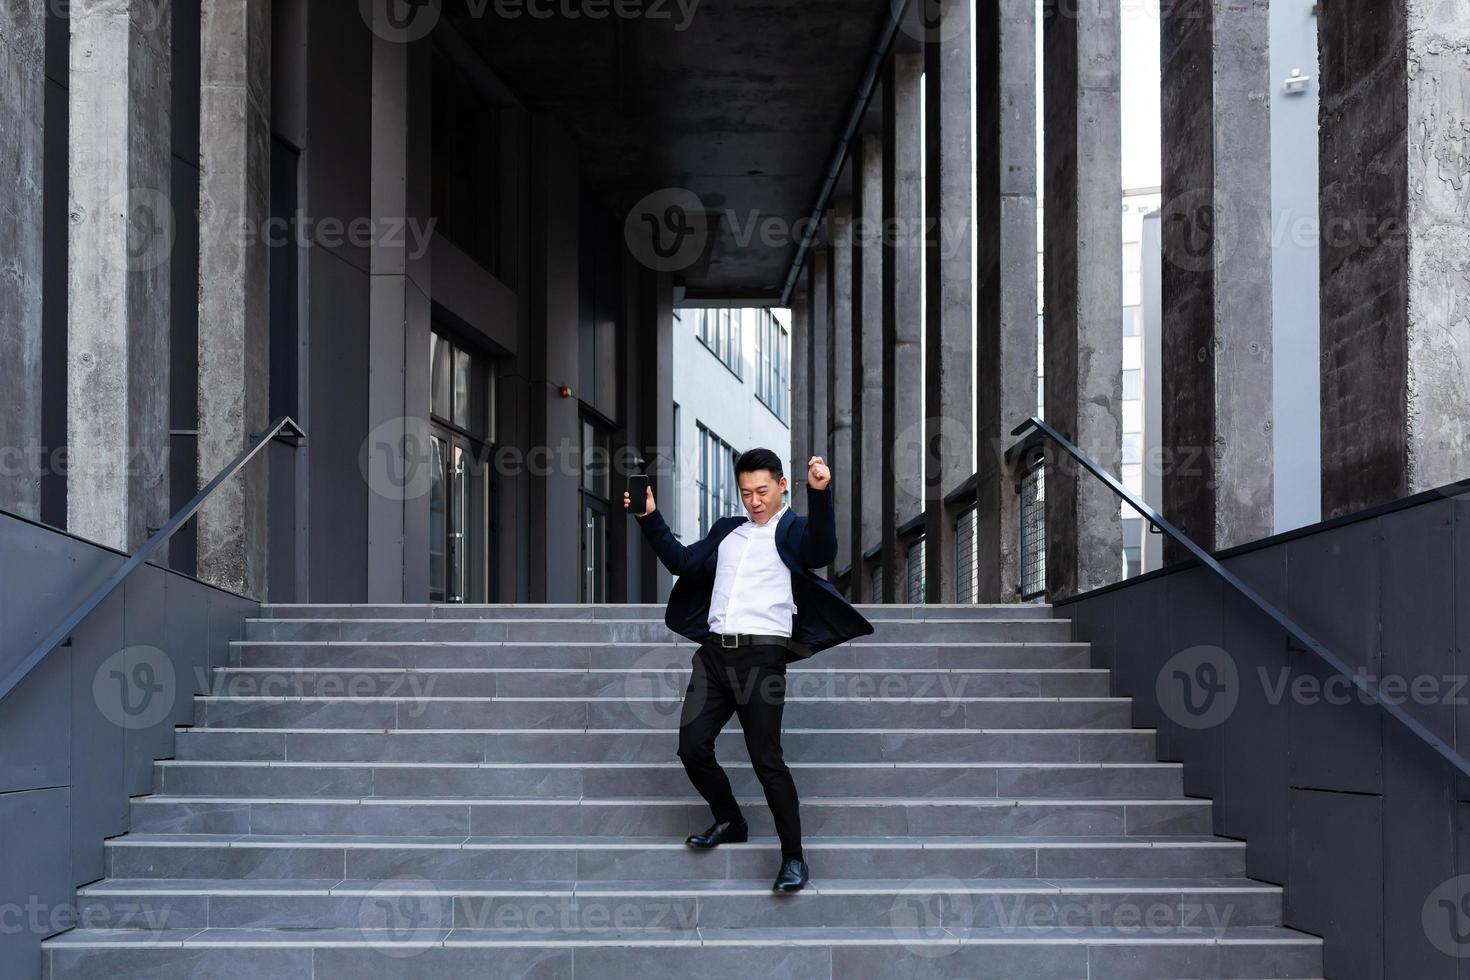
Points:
(633, 483)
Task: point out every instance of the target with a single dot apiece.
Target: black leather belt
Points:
(749, 640)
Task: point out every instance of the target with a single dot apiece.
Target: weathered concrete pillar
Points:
(399, 319)
(1395, 210)
(867, 352)
(234, 287)
(801, 382)
(1217, 309)
(820, 305)
(1005, 285)
(840, 395)
(903, 371)
(22, 127)
(121, 237)
(1083, 284)
(949, 272)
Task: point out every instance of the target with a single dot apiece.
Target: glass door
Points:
(462, 424)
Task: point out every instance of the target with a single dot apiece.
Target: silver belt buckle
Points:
(729, 639)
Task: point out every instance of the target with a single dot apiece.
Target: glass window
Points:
(439, 521)
(772, 362)
(718, 493)
(465, 184)
(439, 357)
(596, 459)
(462, 389)
(1132, 385)
(719, 330)
(1132, 448)
(915, 582)
(1132, 321)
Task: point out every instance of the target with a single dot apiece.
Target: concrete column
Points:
(1395, 210)
(234, 287)
(801, 382)
(1084, 296)
(22, 123)
(119, 245)
(554, 516)
(1005, 293)
(840, 395)
(903, 372)
(1217, 309)
(949, 273)
(821, 361)
(651, 354)
(398, 321)
(867, 352)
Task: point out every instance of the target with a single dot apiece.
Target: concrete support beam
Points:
(234, 287)
(1005, 291)
(949, 273)
(651, 361)
(903, 371)
(801, 383)
(1083, 287)
(867, 352)
(840, 394)
(22, 128)
(819, 302)
(553, 539)
(1395, 274)
(398, 321)
(1217, 308)
(119, 244)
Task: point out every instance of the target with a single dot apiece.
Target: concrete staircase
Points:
(414, 791)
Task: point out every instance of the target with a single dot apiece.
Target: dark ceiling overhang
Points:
(744, 103)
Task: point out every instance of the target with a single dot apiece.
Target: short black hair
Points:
(758, 459)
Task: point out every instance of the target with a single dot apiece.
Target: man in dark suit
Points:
(746, 595)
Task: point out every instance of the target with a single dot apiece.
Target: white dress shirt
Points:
(752, 592)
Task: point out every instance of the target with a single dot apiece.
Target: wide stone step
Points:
(918, 817)
(979, 903)
(1137, 780)
(866, 714)
(663, 681)
(811, 953)
(626, 630)
(610, 745)
(399, 654)
(646, 610)
(568, 859)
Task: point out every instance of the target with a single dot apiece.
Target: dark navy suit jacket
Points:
(823, 617)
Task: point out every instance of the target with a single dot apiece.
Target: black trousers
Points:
(749, 682)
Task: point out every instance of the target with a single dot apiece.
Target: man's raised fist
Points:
(817, 474)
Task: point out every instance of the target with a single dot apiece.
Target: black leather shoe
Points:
(793, 876)
(728, 832)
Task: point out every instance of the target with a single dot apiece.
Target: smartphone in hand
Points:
(638, 491)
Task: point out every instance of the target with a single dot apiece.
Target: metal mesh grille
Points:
(1033, 532)
(916, 571)
(967, 558)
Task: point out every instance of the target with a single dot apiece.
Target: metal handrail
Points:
(56, 637)
(1306, 639)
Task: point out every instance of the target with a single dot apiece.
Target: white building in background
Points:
(732, 392)
(1137, 205)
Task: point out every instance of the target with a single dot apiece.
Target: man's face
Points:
(760, 492)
